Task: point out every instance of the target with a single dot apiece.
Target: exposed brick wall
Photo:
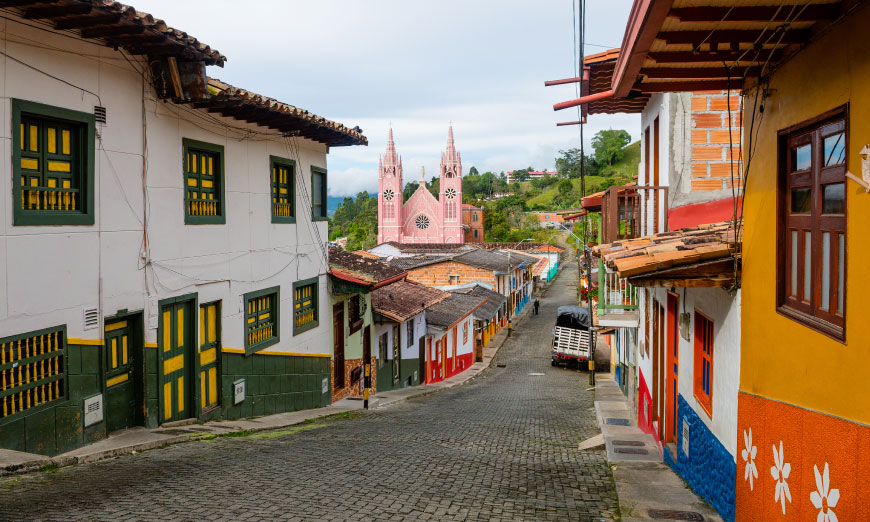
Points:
(712, 148)
(439, 274)
(468, 221)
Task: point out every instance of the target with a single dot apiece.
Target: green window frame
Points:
(318, 194)
(52, 165)
(262, 319)
(204, 194)
(306, 299)
(282, 188)
(32, 372)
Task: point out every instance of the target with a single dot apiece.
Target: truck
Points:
(571, 335)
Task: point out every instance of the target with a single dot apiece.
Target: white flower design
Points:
(824, 498)
(751, 471)
(780, 473)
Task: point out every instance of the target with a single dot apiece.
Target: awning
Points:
(703, 256)
(707, 45)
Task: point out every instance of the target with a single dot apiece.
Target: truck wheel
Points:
(553, 362)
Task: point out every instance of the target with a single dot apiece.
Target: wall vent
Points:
(100, 114)
(92, 318)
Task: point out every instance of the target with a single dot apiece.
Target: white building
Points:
(163, 235)
(668, 321)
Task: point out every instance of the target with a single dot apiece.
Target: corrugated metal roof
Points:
(448, 312)
(489, 309)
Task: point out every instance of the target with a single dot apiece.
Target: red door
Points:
(672, 367)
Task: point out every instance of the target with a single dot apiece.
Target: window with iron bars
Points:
(261, 319)
(32, 371)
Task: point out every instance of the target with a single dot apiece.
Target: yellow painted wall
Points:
(782, 359)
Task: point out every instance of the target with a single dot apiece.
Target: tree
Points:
(473, 171)
(565, 187)
(521, 175)
(608, 146)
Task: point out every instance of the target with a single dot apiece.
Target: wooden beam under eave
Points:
(690, 86)
(702, 282)
(744, 36)
(80, 22)
(681, 57)
(756, 13)
(56, 10)
(699, 73)
(112, 30)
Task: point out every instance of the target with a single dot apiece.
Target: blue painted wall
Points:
(709, 470)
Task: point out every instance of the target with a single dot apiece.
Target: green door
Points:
(209, 352)
(120, 393)
(177, 340)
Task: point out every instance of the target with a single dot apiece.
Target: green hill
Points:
(620, 173)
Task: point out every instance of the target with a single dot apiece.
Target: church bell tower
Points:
(450, 197)
(390, 195)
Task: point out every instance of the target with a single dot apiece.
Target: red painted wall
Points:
(702, 213)
(644, 406)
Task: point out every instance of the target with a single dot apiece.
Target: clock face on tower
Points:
(389, 194)
(450, 193)
(422, 222)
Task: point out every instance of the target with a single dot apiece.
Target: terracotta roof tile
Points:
(402, 300)
(368, 271)
(684, 248)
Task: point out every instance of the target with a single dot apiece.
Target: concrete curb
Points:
(28, 463)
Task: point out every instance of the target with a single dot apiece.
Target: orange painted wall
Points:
(809, 440)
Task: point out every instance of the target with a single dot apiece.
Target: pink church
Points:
(421, 219)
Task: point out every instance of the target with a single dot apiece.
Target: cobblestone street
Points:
(501, 447)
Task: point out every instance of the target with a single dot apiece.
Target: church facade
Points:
(423, 218)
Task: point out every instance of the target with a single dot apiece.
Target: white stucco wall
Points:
(724, 310)
(53, 273)
(411, 351)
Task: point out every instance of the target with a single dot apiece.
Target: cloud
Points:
(480, 64)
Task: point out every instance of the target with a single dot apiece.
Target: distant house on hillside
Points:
(533, 174)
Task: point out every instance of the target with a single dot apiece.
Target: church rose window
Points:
(422, 222)
(450, 193)
(388, 194)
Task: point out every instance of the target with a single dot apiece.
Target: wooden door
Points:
(338, 346)
(177, 341)
(655, 361)
(209, 355)
(662, 370)
(672, 367)
(454, 354)
(120, 390)
(430, 360)
(422, 360)
(367, 347)
(397, 354)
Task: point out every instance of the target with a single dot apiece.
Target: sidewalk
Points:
(141, 439)
(647, 488)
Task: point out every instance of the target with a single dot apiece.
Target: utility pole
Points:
(593, 334)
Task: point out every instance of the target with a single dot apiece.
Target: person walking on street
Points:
(537, 304)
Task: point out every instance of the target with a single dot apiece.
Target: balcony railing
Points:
(615, 294)
(50, 198)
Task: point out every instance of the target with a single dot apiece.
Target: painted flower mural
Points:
(780, 472)
(824, 499)
(749, 452)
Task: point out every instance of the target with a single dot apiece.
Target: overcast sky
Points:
(420, 65)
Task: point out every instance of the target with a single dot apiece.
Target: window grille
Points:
(32, 370)
(305, 301)
(318, 194)
(261, 319)
(283, 191)
(203, 174)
